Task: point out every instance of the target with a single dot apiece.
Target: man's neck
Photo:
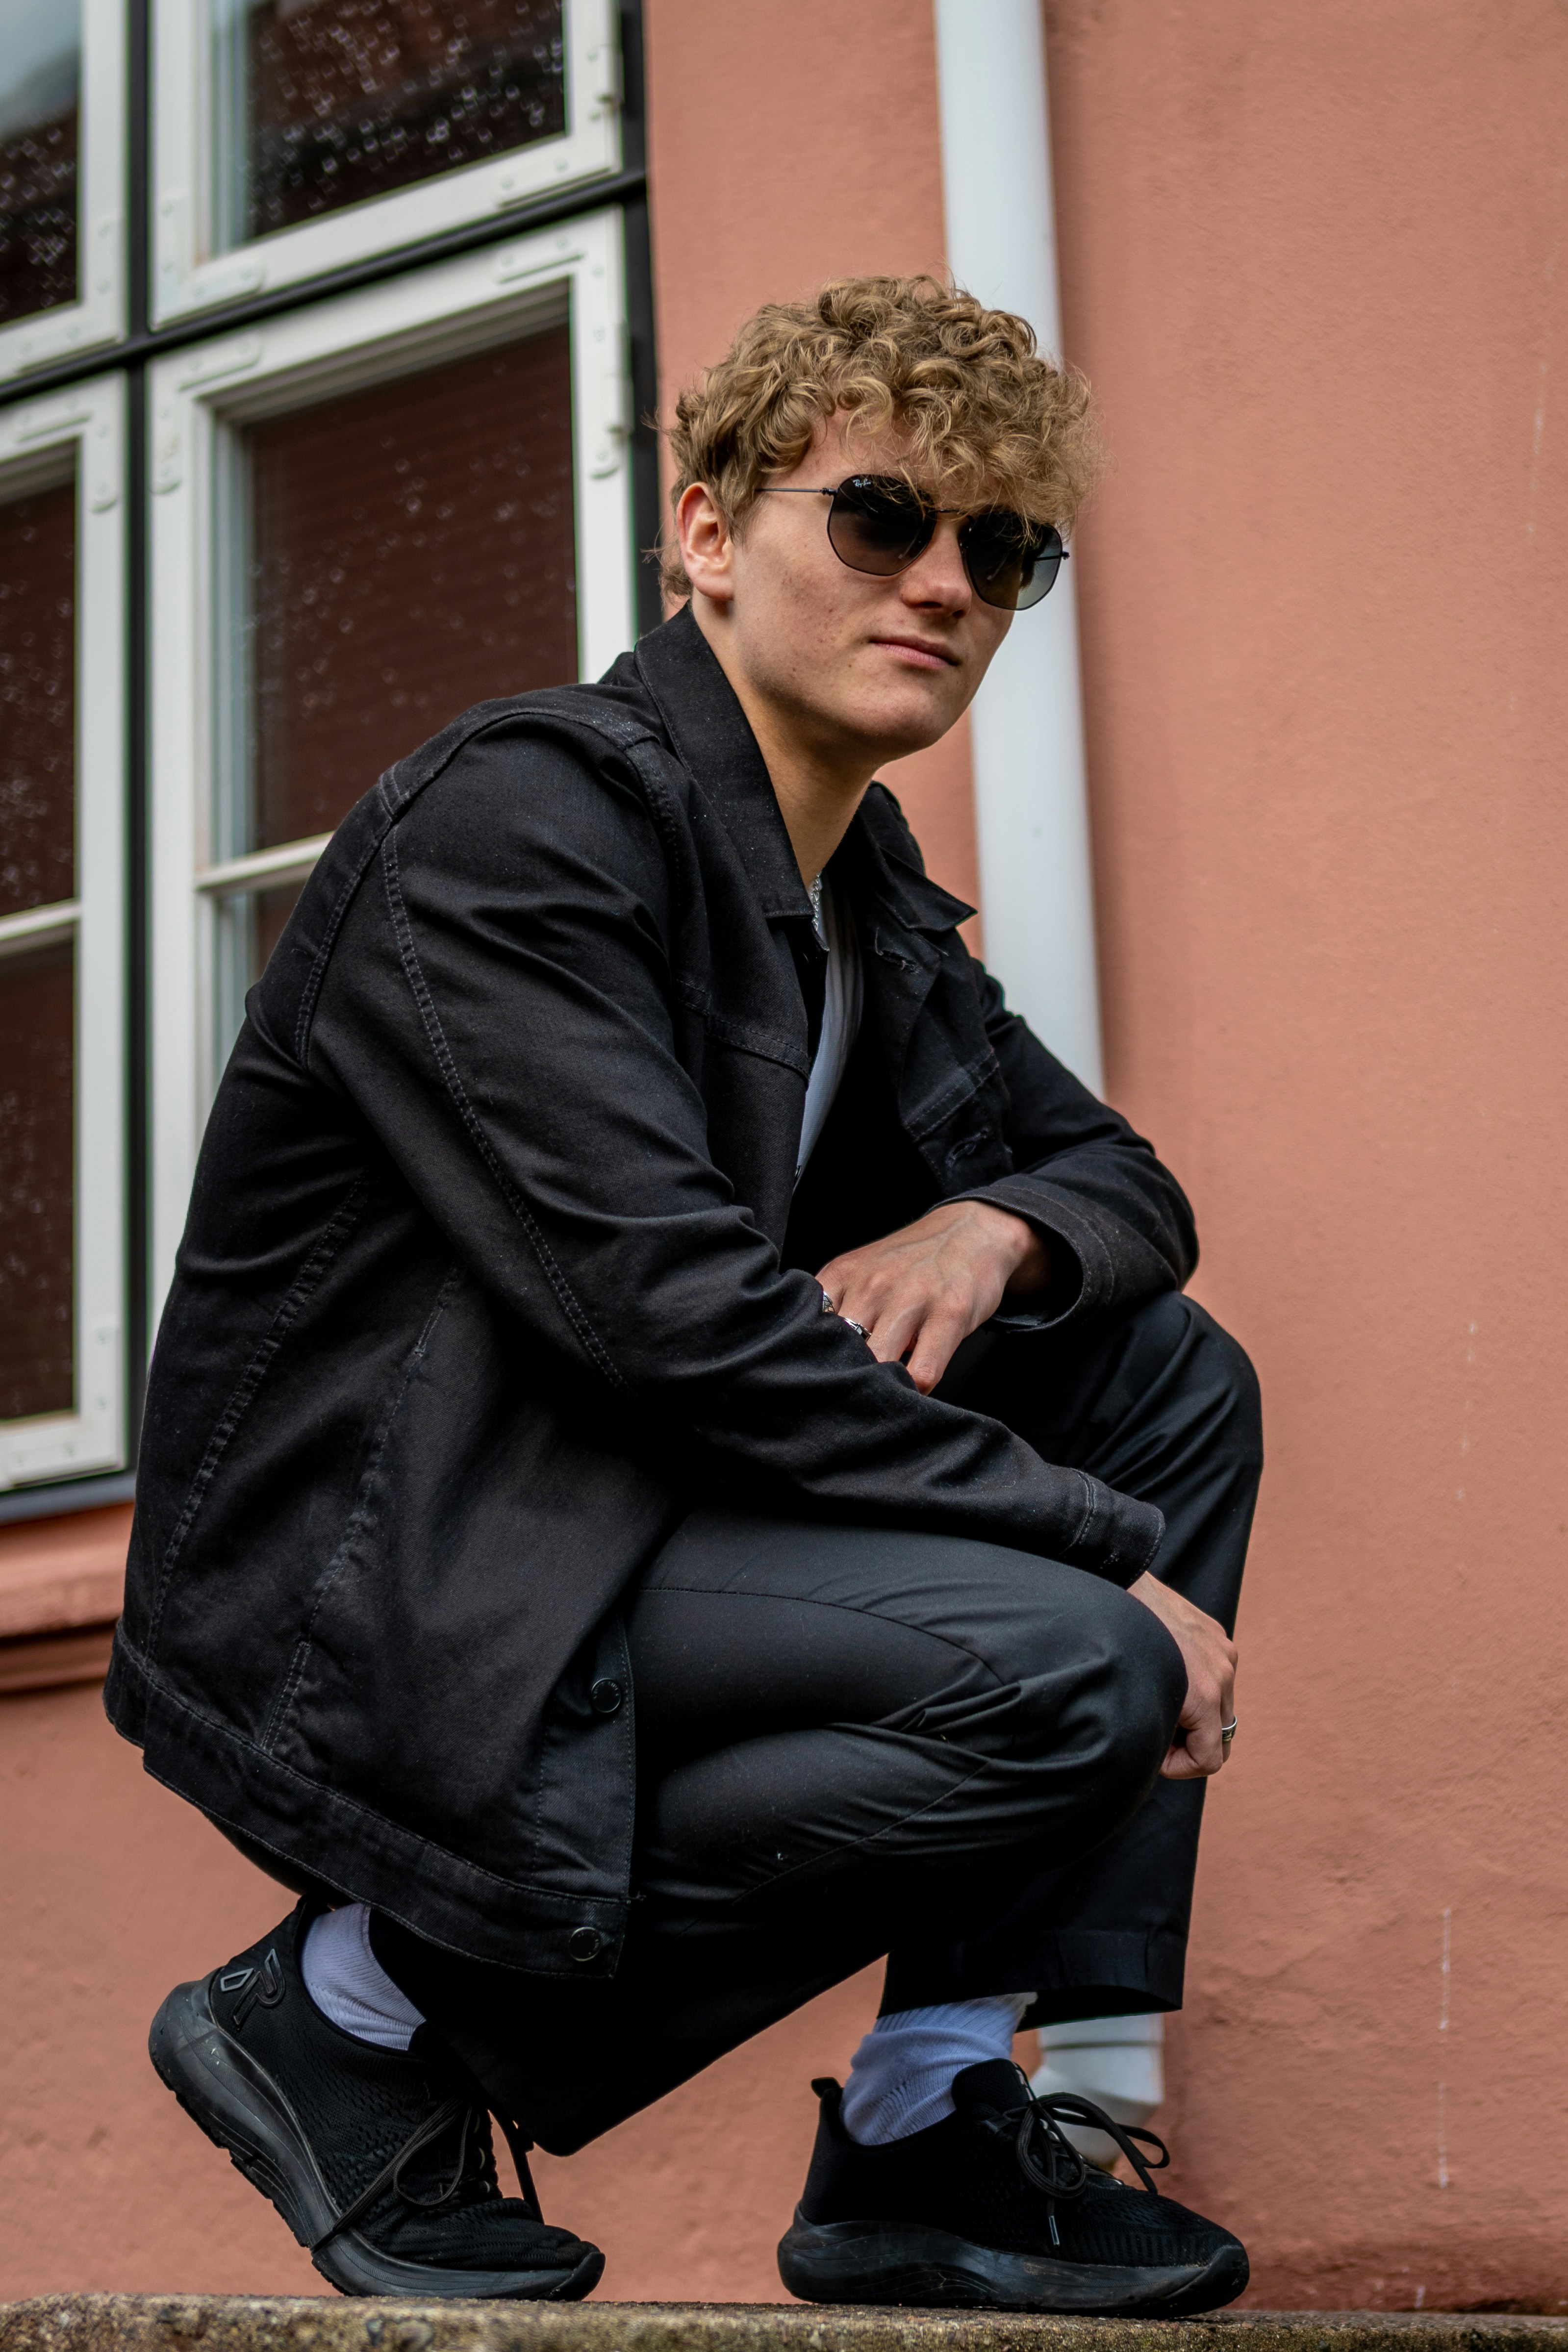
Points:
(818, 793)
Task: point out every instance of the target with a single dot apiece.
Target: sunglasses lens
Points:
(1012, 562)
(875, 525)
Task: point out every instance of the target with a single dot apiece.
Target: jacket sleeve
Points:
(500, 1008)
(1120, 1226)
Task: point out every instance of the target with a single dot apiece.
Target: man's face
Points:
(859, 669)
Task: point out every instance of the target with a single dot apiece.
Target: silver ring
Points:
(848, 1321)
(1227, 1732)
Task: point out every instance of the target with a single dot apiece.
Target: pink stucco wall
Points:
(1312, 259)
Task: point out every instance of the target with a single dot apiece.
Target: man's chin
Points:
(907, 721)
(902, 743)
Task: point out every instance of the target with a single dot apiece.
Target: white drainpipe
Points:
(1117, 2062)
(1030, 784)
(1031, 801)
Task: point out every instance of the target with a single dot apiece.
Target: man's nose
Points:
(938, 576)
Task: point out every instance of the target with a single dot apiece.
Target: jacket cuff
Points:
(1079, 1279)
(1120, 1537)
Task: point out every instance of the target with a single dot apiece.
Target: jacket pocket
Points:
(243, 1395)
(362, 1516)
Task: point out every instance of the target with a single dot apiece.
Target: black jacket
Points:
(482, 1284)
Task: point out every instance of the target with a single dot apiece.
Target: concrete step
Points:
(236, 2323)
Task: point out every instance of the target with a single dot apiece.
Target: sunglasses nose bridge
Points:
(942, 541)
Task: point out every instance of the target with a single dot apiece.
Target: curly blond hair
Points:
(983, 410)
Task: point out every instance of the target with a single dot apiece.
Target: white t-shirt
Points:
(843, 995)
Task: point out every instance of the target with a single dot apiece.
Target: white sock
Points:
(900, 2078)
(348, 1983)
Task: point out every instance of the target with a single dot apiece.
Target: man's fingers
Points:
(1209, 1656)
(890, 1333)
(1202, 1720)
(933, 1352)
(1204, 1748)
(1195, 1759)
(907, 1329)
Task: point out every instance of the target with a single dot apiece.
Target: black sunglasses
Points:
(879, 524)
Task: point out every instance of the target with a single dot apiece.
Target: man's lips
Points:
(921, 651)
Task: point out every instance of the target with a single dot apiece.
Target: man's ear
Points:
(707, 544)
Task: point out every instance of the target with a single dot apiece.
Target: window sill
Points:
(49, 1661)
(61, 1585)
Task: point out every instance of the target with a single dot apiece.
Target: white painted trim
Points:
(196, 399)
(38, 927)
(98, 317)
(266, 869)
(190, 275)
(1030, 781)
(86, 431)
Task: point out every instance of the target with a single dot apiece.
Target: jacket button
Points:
(585, 1943)
(607, 1698)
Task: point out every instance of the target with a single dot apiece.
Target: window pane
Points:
(37, 700)
(37, 1188)
(412, 553)
(40, 61)
(322, 103)
(268, 910)
(249, 924)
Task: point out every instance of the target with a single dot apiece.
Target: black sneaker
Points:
(381, 2164)
(994, 2205)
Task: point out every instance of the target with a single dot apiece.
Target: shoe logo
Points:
(253, 1985)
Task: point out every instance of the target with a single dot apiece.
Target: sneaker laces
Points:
(1049, 2161)
(471, 2142)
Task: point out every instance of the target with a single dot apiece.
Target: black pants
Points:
(846, 1735)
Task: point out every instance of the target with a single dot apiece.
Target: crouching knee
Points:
(1150, 1690)
(1131, 1686)
(1177, 1350)
(1235, 1384)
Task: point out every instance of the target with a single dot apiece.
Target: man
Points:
(677, 1461)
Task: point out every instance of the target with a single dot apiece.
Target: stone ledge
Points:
(233, 2323)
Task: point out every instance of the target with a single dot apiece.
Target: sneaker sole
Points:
(243, 2111)
(888, 2263)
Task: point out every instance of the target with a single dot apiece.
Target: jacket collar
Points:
(713, 739)
(888, 871)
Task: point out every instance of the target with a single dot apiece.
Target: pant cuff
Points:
(1075, 1972)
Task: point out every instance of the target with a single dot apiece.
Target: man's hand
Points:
(1209, 1656)
(920, 1292)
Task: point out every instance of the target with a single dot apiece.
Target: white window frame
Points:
(46, 338)
(189, 276)
(42, 444)
(198, 398)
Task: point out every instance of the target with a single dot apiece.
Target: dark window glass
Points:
(413, 553)
(330, 102)
(251, 926)
(40, 58)
(37, 700)
(37, 1189)
(270, 911)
